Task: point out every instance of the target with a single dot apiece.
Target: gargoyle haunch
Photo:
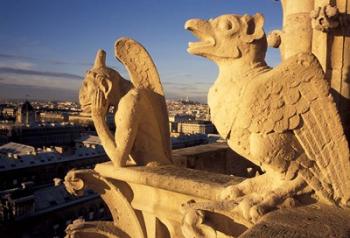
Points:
(140, 109)
(283, 119)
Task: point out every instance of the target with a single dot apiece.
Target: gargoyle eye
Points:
(227, 25)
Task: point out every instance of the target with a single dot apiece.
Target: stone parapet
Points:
(149, 201)
(169, 201)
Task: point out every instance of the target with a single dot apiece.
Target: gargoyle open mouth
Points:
(200, 29)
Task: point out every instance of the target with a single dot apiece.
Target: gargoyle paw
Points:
(253, 206)
(256, 212)
(231, 193)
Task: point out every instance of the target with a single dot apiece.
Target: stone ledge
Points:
(187, 181)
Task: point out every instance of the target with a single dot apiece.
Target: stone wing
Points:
(143, 74)
(295, 97)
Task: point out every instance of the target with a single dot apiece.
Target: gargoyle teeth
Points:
(201, 30)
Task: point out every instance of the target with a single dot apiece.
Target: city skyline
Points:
(45, 48)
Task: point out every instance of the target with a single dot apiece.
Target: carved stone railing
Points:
(153, 201)
(169, 201)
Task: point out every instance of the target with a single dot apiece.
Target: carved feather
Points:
(296, 97)
(144, 75)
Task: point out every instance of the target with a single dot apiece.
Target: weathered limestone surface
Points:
(284, 120)
(296, 28)
(150, 201)
(187, 181)
(321, 27)
(168, 201)
(309, 222)
(141, 112)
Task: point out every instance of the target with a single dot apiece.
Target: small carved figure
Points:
(141, 114)
(325, 18)
(283, 119)
(192, 225)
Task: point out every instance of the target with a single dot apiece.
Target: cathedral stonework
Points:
(289, 120)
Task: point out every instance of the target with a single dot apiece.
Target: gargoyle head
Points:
(228, 37)
(102, 78)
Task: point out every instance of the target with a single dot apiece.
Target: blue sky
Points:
(46, 46)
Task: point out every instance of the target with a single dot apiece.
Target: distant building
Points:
(8, 111)
(80, 118)
(88, 140)
(179, 140)
(175, 119)
(46, 212)
(21, 163)
(3, 139)
(13, 149)
(196, 127)
(54, 117)
(25, 114)
(181, 117)
(42, 134)
(86, 120)
(28, 197)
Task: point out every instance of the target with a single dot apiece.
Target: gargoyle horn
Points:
(253, 27)
(100, 60)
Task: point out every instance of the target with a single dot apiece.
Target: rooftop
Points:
(44, 200)
(16, 148)
(16, 156)
(12, 125)
(89, 139)
(54, 197)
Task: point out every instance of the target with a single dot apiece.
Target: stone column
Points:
(331, 45)
(296, 36)
(323, 28)
(338, 70)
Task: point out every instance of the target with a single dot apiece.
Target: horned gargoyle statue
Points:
(141, 117)
(283, 119)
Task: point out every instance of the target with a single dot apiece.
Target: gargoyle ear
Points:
(100, 60)
(252, 27)
(105, 85)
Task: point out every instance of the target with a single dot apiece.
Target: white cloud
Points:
(17, 65)
(42, 81)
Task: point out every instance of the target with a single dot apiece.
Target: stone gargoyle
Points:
(283, 119)
(141, 115)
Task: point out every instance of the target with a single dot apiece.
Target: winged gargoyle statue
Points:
(141, 113)
(283, 119)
